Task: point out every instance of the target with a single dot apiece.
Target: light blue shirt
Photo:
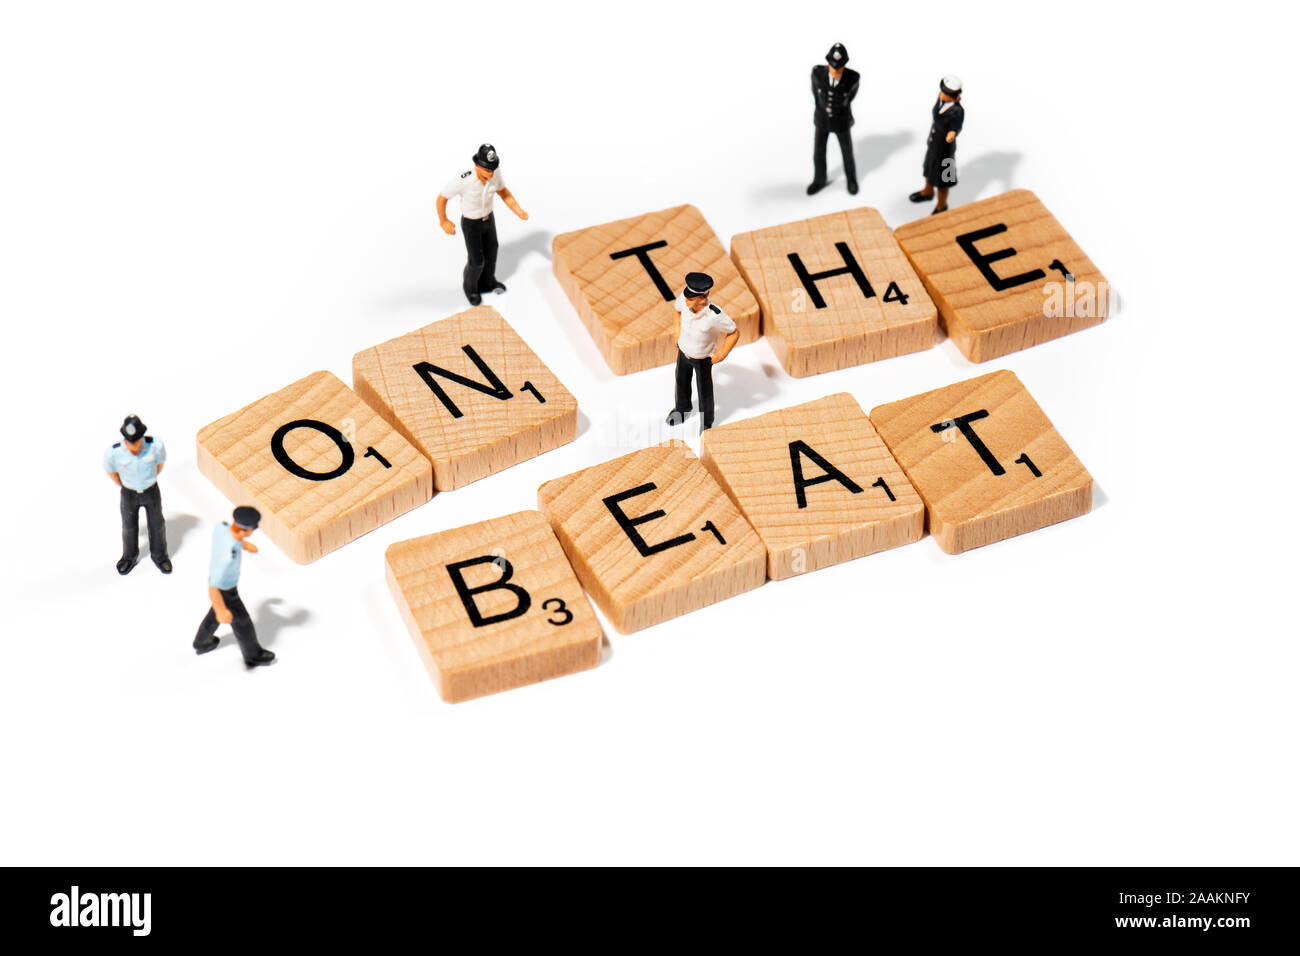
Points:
(137, 472)
(227, 555)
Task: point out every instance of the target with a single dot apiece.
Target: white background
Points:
(204, 203)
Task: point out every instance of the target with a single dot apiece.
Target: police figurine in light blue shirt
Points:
(134, 464)
(229, 542)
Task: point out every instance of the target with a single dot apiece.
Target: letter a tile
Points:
(493, 606)
(835, 291)
(817, 484)
(622, 277)
(318, 462)
(1005, 274)
(652, 536)
(469, 393)
(985, 459)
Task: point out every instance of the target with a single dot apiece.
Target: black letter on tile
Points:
(614, 502)
(829, 472)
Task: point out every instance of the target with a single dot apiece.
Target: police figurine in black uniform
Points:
(705, 334)
(134, 464)
(834, 86)
(476, 187)
(940, 165)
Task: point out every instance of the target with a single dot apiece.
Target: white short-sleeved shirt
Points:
(475, 197)
(702, 331)
(137, 472)
(227, 556)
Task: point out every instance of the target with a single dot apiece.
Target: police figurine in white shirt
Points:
(134, 464)
(705, 334)
(476, 187)
(229, 542)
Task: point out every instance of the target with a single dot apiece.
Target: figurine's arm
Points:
(727, 345)
(508, 198)
(112, 476)
(952, 135)
(219, 606)
(249, 547)
(161, 466)
(448, 226)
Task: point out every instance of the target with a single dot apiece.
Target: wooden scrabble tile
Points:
(1005, 274)
(652, 536)
(469, 393)
(623, 277)
(817, 484)
(835, 291)
(318, 462)
(493, 605)
(985, 459)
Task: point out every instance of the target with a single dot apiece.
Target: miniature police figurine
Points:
(476, 187)
(134, 464)
(705, 334)
(833, 87)
(229, 542)
(940, 165)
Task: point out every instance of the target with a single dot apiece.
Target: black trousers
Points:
(821, 134)
(481, 244)
(151, 502)
(703, 369)
(245, 633)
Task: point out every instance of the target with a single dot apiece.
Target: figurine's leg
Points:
(130, 506)
(472, 230)
(682, 392)
(924, 195)
(819, 159)
(487, 281)
(245, 632)
(704, 384)
(942, 204)
(205, 640)
(846, 151)
(153, 514)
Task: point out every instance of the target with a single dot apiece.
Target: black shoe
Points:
(211, 645)
(165, 565)
(263, 657)
(816, 187)
(853, 187)
(675, 417)
(705, 427)
(919, 197)
(937, 211)
(497, 287)
(474, 298)
(125, 564)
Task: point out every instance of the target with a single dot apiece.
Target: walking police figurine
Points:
(229, 542)
(940, 166)
(833, 87)
(705, 334)
(134, 464)
(476, 187)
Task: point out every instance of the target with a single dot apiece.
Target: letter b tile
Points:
(652, 536)
(493, 606)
